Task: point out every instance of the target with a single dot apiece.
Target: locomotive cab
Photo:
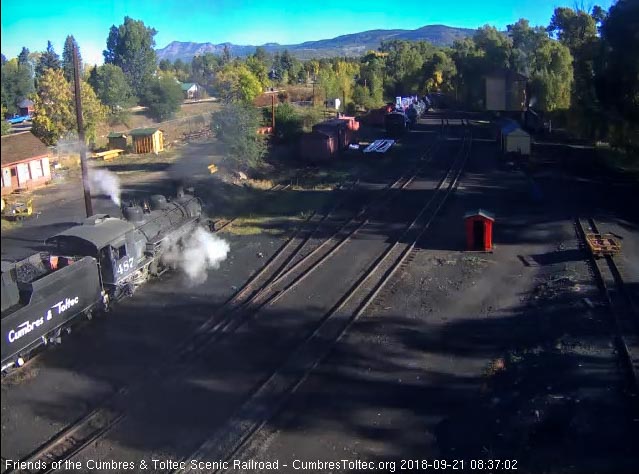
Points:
(115, 243)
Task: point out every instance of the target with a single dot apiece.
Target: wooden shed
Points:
(479, 230)
(117, 141)
(147, 140)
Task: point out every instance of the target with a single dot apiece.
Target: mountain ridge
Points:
(352, 44)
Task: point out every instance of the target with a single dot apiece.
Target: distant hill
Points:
(354, 44)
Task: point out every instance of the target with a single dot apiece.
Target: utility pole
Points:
(273, 112)
(83, 152)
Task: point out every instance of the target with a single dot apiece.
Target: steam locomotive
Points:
(90, 265)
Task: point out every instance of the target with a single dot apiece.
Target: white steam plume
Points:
(105, 182)
(195, 254)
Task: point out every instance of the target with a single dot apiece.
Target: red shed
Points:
(479, 230)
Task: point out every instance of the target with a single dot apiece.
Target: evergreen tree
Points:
(48, 60)
(23, 57)
(67, 58)
(130, 46)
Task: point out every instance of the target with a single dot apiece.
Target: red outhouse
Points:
(479, 230)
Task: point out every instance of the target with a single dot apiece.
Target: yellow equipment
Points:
(17, 210)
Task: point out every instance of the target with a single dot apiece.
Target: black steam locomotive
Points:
(90, 266)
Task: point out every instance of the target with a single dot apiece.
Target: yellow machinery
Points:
(17, 210)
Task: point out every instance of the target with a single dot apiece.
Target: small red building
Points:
(25, 162)
(479, 230)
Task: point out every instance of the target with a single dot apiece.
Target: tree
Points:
(618, 74)
(67, 58)
(53, 107)
(259, 70)
(236, 128)
(403, 66)
(93, 112)
(577, 30)
(547, 64)
(5, 127)
(111, 87)
(551, 77)
(260, 54)
(371, 74)
(496, 47)
(165, 65)
(236, 83)
(204, 69)
(130, 46)
(48, 60)
(226, 54)
(439, 73)
(23, 57)
(16, 83)
(289, 123)
(163, 98)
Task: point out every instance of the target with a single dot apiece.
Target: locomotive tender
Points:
(90, 265)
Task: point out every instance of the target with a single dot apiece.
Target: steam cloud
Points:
(105, 182)
(196, 253)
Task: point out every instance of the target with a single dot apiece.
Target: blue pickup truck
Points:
(16, 119)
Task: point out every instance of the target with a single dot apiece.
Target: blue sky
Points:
(32, 23)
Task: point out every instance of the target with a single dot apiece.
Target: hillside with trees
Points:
(582, 70)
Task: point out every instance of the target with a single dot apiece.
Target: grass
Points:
(263, 184)
(255, 225)
(169, 156)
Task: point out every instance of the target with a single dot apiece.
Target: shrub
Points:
(236, 127)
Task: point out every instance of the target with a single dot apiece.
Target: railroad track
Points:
(622, 307)
(270, 396)
(111, 411)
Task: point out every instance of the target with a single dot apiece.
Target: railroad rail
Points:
(269, 398)
(111, 412)
(622, 307)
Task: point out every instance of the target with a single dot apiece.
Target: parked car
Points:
(16, 119)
